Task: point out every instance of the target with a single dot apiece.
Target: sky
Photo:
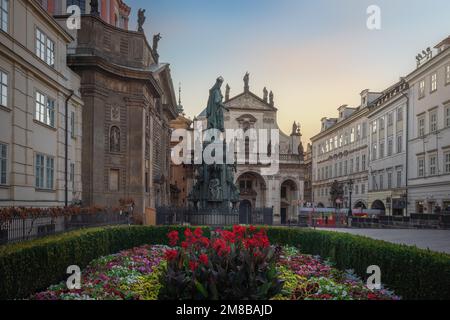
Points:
(314, 55)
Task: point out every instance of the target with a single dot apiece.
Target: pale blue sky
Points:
(315, 55)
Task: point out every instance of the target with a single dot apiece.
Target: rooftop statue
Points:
(141, 20)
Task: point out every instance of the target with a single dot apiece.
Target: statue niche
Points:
(114, 139)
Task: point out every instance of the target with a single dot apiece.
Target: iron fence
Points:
(19, 229)
(189, 216)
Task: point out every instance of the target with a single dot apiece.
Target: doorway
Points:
(245, 212)
(283, 216)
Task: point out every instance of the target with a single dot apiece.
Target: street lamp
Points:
(350, 190)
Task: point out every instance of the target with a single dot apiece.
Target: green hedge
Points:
(32, 266)
(411, 272)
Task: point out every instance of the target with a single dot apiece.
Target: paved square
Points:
(435, 240)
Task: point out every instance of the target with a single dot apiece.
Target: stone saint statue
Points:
(227, 92)
(156, 39)
(246, 82)
(271, 102)
(214, 110)
(94, 7)
(265, 95)
(141, 20)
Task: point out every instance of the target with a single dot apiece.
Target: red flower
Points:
(229, 236)
(188, 233)
(171, 255)
(204, 242)
(203, 259)
(221, 247)
(198, 232)
(184, 245)
(173, 238)
(193, 265)
(252, 229)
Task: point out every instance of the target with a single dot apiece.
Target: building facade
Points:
(308, 194)
(388, 146)
(282, 191)
(429, 133)
(341, 157)
(129, 103)
(114, 12)
(40, 98)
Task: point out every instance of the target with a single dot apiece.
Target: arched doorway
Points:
(245, 212)
(252, 187)
(288, 199)
(320, 205)
(360, 205)
(379, 205)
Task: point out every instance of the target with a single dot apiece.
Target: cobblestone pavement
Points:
(435, 240)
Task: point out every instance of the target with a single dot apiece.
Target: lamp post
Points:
(350, 213)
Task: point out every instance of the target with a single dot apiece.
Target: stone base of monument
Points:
(214, 219)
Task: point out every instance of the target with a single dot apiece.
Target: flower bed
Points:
(203, 268)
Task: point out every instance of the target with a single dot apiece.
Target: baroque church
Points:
(283, 191)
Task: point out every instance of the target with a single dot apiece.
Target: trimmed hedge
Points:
(413, 273)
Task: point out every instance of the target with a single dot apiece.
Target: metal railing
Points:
(17, 229)
(189, 216)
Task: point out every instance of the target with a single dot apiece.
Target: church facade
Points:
(283, 191)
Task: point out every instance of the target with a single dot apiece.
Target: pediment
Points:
(249, 101)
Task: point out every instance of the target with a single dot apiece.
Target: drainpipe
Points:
(66, 152)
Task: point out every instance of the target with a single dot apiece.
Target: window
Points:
(374, 152)
(399, 179)
(351, 166)
(4, 15)
(45, 168)
(421, 126)
(433, 82)
(374, 127)
(3, 163)
(433, 121)
(447, 74)
(421, 89)
(389, 181)
(363, 163)
(340, 169)
(352, 135)
(364, 129)
(390, 147)
(283, 193)
(335, 170)
(447, 116)
(381, 124)
(381, 149)
(45, 109)
(447, 162)
(421, 167)
(390, 118)
(72, 124)
(345, 167)
(357, 164)
(363, 189)
(400, 114)
(3, 88)
(114, 180)
(357, 189)
(80, 3)
(381, 181)
(45, 48)
(399, 144)
(433, 160)
(374, 182)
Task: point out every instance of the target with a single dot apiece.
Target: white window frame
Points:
(3, 87)
(389, 179)
(421, 126)
(421, 89)
(390, 149)
(399, 178)
(3, 164)
(399, 143)
(390, 119)
(44, 172)
(45, 109)
(447, 162)
(45, 48)
(447, 74)
(433, 82)
(399, 114)
(434, 121)
(447, 115)
(432, 161)
(4, 15)
(421, 166)
(382, 149)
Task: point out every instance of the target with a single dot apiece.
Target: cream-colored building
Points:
(388, 146)
(35, 86)
(429, 132)
(341, 153)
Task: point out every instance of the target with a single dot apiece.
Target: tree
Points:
(336, 191)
